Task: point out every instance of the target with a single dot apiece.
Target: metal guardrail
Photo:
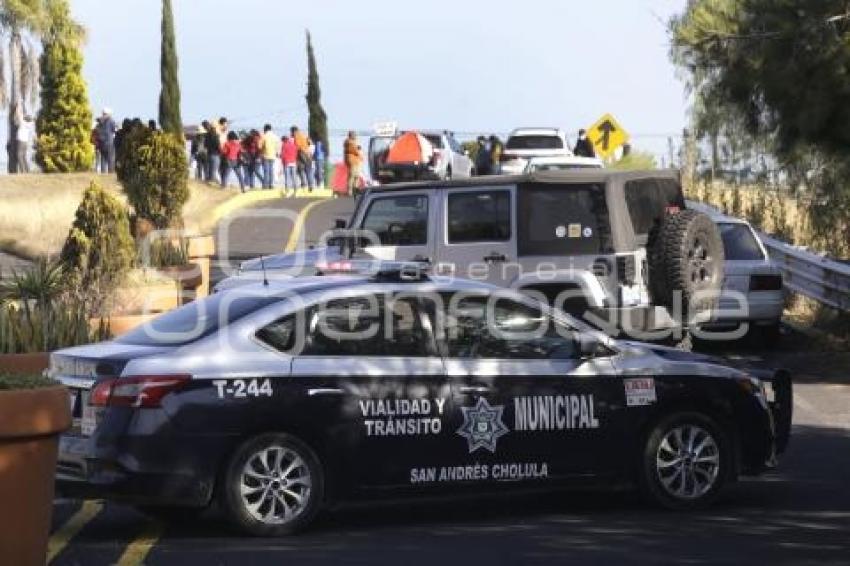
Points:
(807, 273)
(822, 279)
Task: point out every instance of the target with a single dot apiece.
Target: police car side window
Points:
(400, 220)
(366, 326)
(504, 330)
(280, 335)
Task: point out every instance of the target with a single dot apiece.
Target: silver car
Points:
(751, 275)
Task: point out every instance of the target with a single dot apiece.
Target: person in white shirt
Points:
(25, 137)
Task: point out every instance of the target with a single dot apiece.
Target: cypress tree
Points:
(317, 124)
(64, 120)
(169, 97)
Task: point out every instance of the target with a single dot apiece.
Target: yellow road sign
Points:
(607, 135)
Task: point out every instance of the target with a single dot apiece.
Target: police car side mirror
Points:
(339, 224)
(586, 346)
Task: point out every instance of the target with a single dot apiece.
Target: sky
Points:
(468, 66)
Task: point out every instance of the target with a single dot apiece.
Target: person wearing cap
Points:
(24, 139)
(198, 151)
(106, 137)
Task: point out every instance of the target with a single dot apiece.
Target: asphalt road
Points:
(9, 263)
(266, 228)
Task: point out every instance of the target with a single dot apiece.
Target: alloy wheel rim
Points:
(275, 485)
(687, 462)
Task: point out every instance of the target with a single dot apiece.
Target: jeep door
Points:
(400, 225)
(476, 237)
(523, 392)
(375, 386)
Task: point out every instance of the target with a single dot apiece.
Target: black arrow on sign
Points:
(607, 128)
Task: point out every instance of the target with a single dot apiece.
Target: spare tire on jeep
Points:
(686, 255)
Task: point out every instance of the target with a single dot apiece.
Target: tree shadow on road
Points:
(797, 514)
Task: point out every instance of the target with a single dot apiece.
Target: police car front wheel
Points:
(273, 485)
(685, 461)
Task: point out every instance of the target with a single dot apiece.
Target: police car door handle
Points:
(494, 258)
(480, 389)
(324, 391)
(422, 258)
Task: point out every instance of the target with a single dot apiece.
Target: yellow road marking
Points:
(256, 196)
(295, 234)
(137, 551)
(69, 530)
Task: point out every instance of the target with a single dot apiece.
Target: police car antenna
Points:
(265, 277)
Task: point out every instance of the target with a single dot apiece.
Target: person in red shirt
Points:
(251, 159)
(289, 156)
(230, 153)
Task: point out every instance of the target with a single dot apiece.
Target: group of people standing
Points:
(488, 157)
(253, 156)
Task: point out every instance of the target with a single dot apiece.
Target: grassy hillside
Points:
(36, 211)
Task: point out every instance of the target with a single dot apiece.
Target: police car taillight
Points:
(142, 391)
(335, 267)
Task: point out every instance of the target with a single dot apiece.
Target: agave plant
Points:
(37, 313)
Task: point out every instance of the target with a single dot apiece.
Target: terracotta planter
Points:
(119, 325)
(156, 297)
(24, 363)
(30, 422)
(187, 276)
(201, 246)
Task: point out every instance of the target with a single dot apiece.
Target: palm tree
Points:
(21, 21)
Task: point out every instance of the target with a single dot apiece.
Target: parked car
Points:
(562, 163)
(278, 400)
(418, 155)
(752, 290)
(524, 143)
(594, 242)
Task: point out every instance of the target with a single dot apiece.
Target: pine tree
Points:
(64, 120)
(317, 125)
(169, 97)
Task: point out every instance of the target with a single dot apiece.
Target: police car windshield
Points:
(196, 320)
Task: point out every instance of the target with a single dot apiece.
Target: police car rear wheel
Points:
(273, 485)
(685, 461)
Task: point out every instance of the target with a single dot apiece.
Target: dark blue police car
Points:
(276, 399)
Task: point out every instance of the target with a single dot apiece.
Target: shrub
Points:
(154, 173)
(635, 161)
(12, 381)
(64, 120)
(99, 250)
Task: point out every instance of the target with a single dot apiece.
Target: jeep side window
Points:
(648, 199)
(482, 216)
(562, 220)
(398, 220)
(510, 330)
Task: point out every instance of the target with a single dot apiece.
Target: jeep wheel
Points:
(685, 461)
(273, 485)
(686, 255)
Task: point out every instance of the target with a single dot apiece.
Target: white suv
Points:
(526, 143)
